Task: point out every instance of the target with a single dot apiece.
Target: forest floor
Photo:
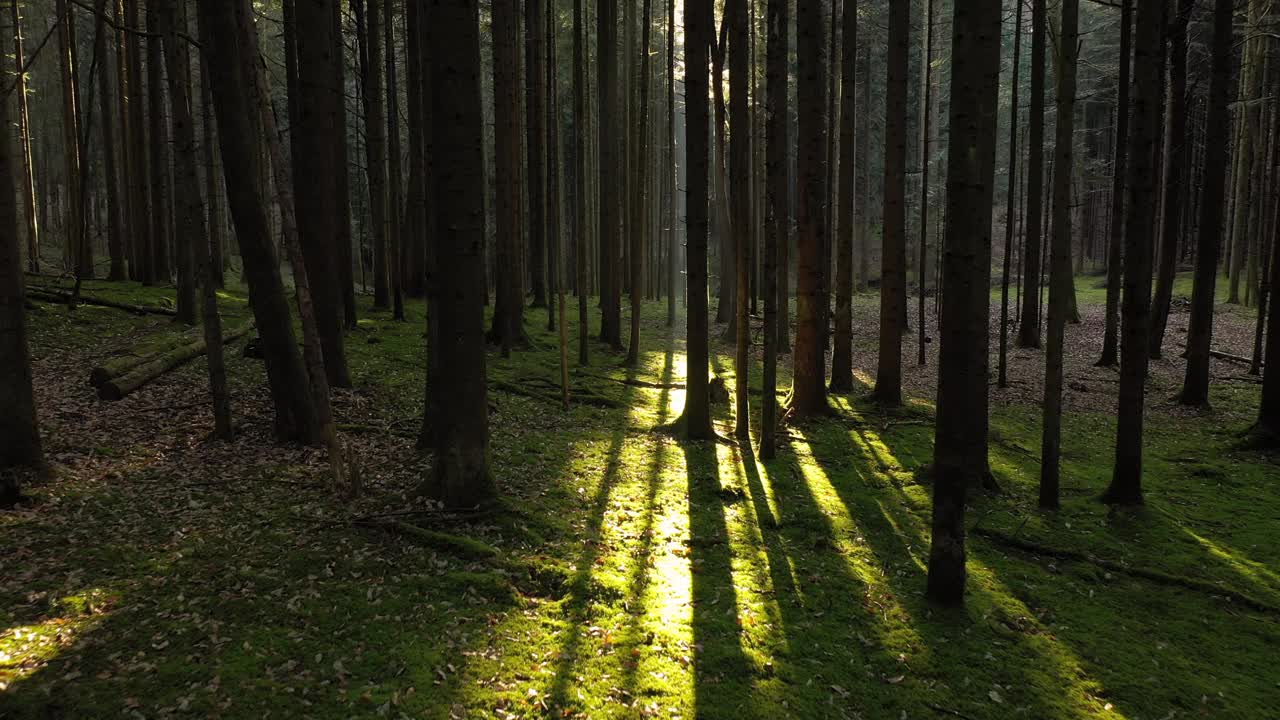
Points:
(158, 573)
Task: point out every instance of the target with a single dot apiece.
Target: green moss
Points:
(627, 574)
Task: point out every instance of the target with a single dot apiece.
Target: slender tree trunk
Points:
(341, 178)
(395, 204)
(224, 29)
(888, 389)
(508, 320)
(697, 25)
(1246, 160)
(960, 452)
(580, 202)
(536, 50)
(777, 222)
(143, 268)
(636, 234)
(1059, 256)
(1115, 250)
(671, 174)
(376, 152)
(160, 209)
(461, 471)
(1029, 330)
(737, 18)
(926, 102)
(842, 347)
(1176, 144)
(18, 425)
(24, 145)
(555, 244)
(213, 185)
(115, 229)
(610, 187)
(1011, 203)
(76, 240)
(190, 210)
(1126, 481)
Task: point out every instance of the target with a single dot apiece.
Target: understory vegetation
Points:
(625, 573)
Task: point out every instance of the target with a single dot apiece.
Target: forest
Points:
(850, 359)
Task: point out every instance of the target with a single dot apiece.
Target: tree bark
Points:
(394, 196)
(115, 231)
(508, 314)
(960, 450)
(1011, 202)
(461, 472)
(1029, 330)
(635, 234)
(842, 347)
(1059, 256)
(24, 147)
(142, 268)
(537, 159)
(159, 210)
(1115, 250)
(610, 178)
(893, 289)
(1126, 480)
(76, 237)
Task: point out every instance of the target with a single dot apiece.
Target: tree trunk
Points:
(461, 471)
(893, 289)
(1126, 481)
(508, 314)
(18, 426)
(536, 49)
(1059, 256)
(1246, 160)
(610, 177)
(1011, 201)
(580, 202)
(222, 25)
(1176, 143)
(341, 178)
(925, 75)
(697, 24)
(960, 451)
(842, 347)
(736, 17)
(24, 147)
(160, 210)
(1115, 250)
(142, 268)
(316, 132)
(376, 152)
(777, 222)
(77, 245)
(1029, 330)
(395, 267)
(115, 231)
(213, 186)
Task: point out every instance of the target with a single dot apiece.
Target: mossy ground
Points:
(635, 575)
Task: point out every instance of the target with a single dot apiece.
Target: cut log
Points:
(117, 388)
(117, 366)
(63, 296)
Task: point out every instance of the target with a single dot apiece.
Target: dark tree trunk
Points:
(193, 243)
(76, 243)
(18, 426)
(611, 161)
(1115, 250)
(1059, 256)
(739, 197)
(1126, 482)
(461, 472)
(508, 313)
(395, 203)
(697, 25)
(159, 210)
(1011, 203)
(342, 180)
(580, 202)
(115, 229)
(842, 348)
(24, 141)
(213, 185)
(925, 101)
(960, 451)
(893, 289)
(636, 259)
(376, 152)
(1176, 143)
(139, 157)
(536, 151)
(316, 133)
(241, 138)
(777, 222)
(1029, 330)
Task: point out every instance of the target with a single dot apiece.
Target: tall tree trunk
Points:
(555, 244)
(1029, 330)
(893, 289)
(115, 230)
(160, 208)
(1246, 158)
(77, 245)
(213, 185)
(341, 177)
(842, 348)
(960, 451)
(190, 210)
(143, 266)
(697, 26)
(1176, 143)
(739, 196)
(1126, 481)
(508, 315)
(536, 49)
(376, 151)
(1059, 255)
(316, 132)
(18, 426)
(24, 145)
(580, 202)
(611, 179)
(672, 248)
(926, 74)
(224, 27)
(415, 228)
(395, 203)
(1011, 203)
(635, 234)
(462, 476)
(1115, 249)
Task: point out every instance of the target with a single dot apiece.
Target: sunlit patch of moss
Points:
(26, 649)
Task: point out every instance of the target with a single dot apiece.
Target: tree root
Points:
(459, 545)
(1155, 576)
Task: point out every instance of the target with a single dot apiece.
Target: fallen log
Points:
(117, 366)
(64, 296)
(1233, 358)
(117, 388)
